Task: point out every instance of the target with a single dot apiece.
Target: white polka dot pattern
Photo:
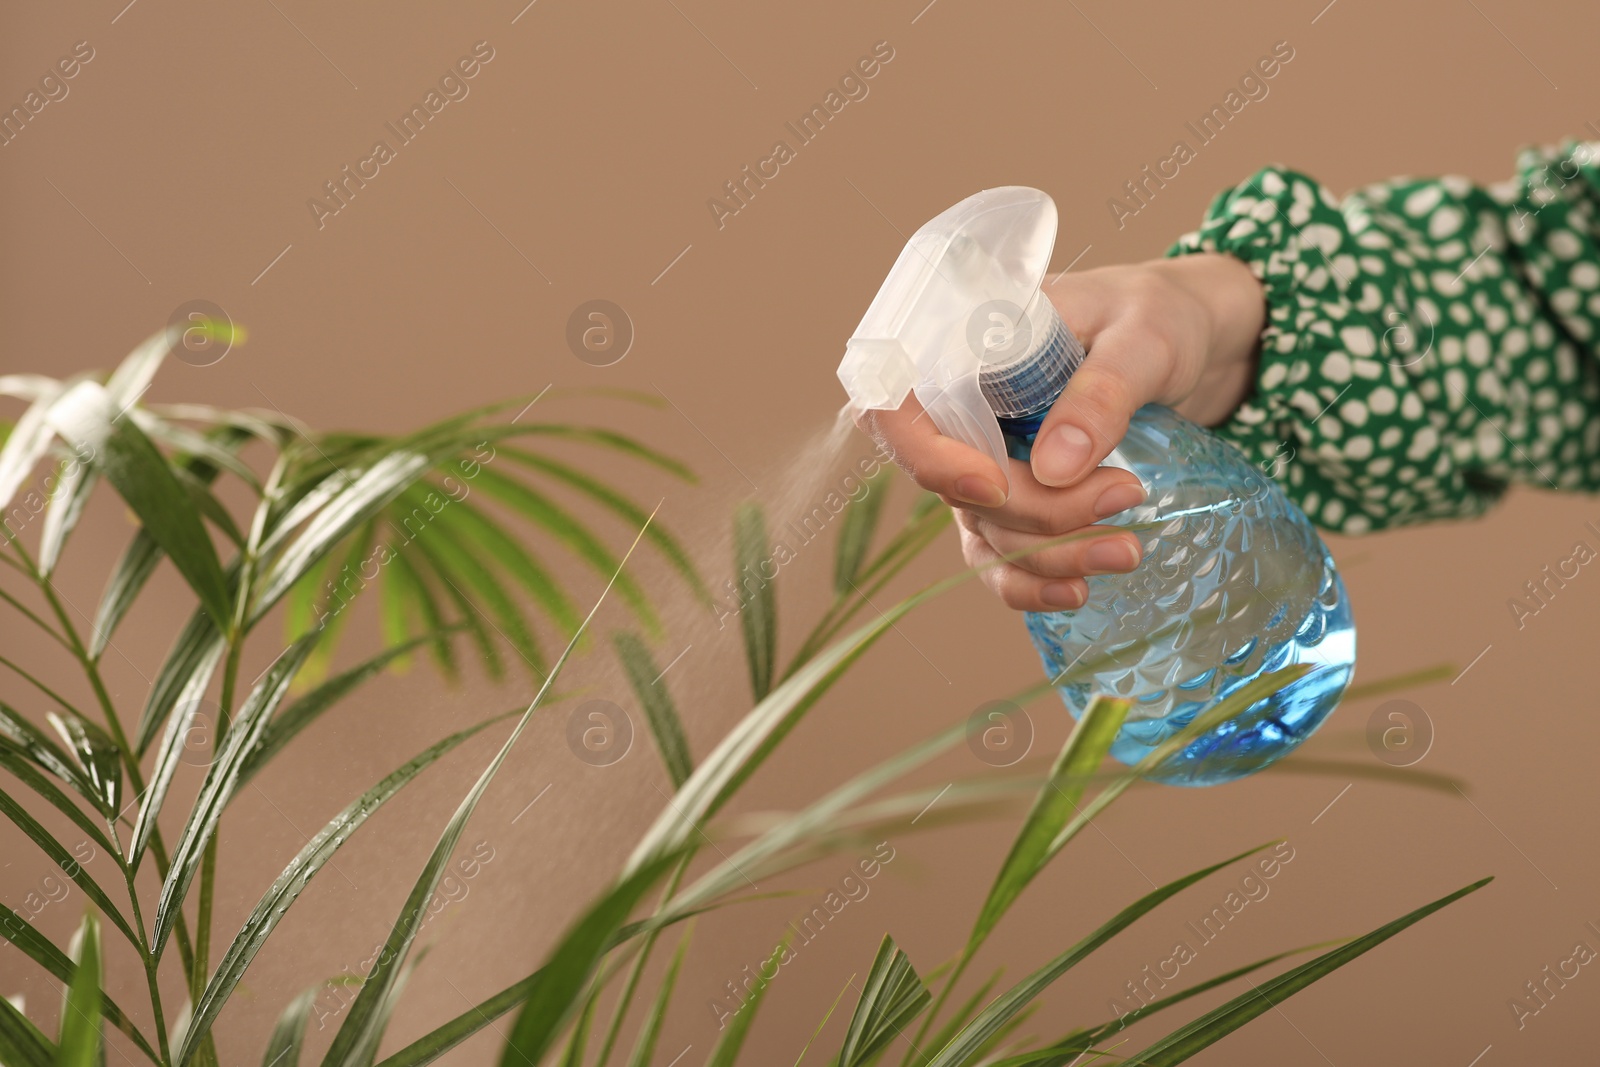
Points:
(1428, 342)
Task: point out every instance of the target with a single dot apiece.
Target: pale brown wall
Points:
(180, 165)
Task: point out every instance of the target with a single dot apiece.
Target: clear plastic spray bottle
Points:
(1234, 582)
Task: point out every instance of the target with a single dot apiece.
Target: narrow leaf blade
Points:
(758, 615)
(283, 1047)
(1086, 748)
(1218, 1023)
(286, 889)
(88, 417)
(665, 726)
(221, 780)
(567, 971)
(891, 998)
(81, 1030)
(975, 1035)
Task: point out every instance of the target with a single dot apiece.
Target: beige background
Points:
(180, 165)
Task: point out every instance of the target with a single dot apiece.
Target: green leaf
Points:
(288, 886)
(37, 746)
(569, 967)
(825, 1017)
(14, 760)
(860, 524)
(417, 600)
(127, 579)
(518, 561)
(283, 1047)
(458, 564)
(187, 706)
(574, 535)
(921, 529)
(821, 817)
(617, 442)
(442, 1039)
(21, 1043)
(196, 445)
(29, 387)
(892, 997)
(17, 930)
(75, 482)
(974, 1036)
(1232, 706)
(1086, 1038)
(28, 442)
(623, 1001)
(440, 561)
(578, 1043)
(627, 510)
(81, 1030)
(1086, 748)
(288, 723)
(758, 611)
(300, 602)
(139, 559)
(244, 732)
(348, 507)
(272, 427)
(342, 571)
(87, 417)
(367, 1051)
(393, 624)
(363, 1015)
(1400, 682)
(65, 861)
(959, 1018)
(193, 654)
(138, 368)
(726, 1052)
(665, 725)
(753, 739)
(644, 1048)
(1219, 1022)
(98, 755)
(206, 503)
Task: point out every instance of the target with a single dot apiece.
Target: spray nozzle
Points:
(961, 321)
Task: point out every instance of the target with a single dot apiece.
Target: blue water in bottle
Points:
(1234, 583)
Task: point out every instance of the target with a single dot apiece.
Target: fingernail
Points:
(980, 491)
(1062, 455)
(1061, 595)
(1117, 498)
(1111, 554)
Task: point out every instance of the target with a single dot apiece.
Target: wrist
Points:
(1231, 300)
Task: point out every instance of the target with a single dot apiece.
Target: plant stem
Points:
(40, 623)
(208, 860)
(46, 690)
(130, 761)
(150, 970)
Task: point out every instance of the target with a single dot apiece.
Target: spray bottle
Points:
(1234, 582)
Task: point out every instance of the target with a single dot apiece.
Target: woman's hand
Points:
(1181, 332)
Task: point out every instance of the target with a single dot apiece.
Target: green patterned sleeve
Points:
(1428, 342)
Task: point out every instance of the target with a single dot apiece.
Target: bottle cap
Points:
(961, 322)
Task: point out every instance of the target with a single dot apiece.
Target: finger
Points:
(1017, 588)
(937, 463)
(1090, 551)
(1042, 509)
(1126, 368)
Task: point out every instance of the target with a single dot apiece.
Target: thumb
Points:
(1122, 371)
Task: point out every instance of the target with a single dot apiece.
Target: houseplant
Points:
(330, 504)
